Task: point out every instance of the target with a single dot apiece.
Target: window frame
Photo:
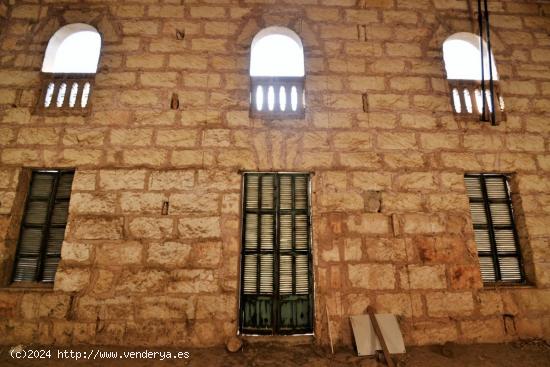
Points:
(462, 91)
(56, 79)
(277, 83)
(490, 227)
(45, 228)
(276, 296)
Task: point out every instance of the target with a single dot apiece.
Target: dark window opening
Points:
(43, 226)
(494, 228)
(276, 261)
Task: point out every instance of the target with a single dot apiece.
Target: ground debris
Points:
(525, 353)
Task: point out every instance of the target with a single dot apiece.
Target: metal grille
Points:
(467, 100)
(276, 276)
(65, 93)
(277, 97)
(494, 228)
(43, 226)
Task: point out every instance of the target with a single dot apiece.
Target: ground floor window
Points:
(494, 228)
(43, 226)
(276, 261)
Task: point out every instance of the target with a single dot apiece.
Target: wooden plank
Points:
(387, 355)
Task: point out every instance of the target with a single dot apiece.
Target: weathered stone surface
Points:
(121, 179)
(144, 281)
(168, 180)
(151, 254)
(75, 251)
(151, 227)
(96, 228)
(205, 227)
(192, 281)
(372, 276)
(169, 253)
(427, 277)
(71, 279)
(119, 253)
(369, 223)
(449, 304)
(386, 250)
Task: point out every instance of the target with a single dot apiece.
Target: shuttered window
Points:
(276, 271)
(494, 228)
(43, 226)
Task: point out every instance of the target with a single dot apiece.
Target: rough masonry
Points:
(391, 221)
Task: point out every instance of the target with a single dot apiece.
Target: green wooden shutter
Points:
(43, 226)
(276, 280)
(494, 228)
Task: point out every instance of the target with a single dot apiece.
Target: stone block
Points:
(202, 227)
(400, 202)
(177, 138)
(216, 307)
(352, 249)
(399, 304)
(486, 331)
(169, 253)
(427, 277)
(97, 228)
(71, 279)
(206, 255)
(119, 253)
(193, 281)
(121, 179)
(418, 181)
(340, 201)
(465, 277)
(369, 223)
(194, 202)
(142, 281)
(166, 308)
(142, 202)
(434, 332)
(386, 249)
(76, 252)
(372, 276)
(171, 180)
(151, 227)
(93, 203)
(444, 304)
(422, 224)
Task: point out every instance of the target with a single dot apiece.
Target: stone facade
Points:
(391, 223)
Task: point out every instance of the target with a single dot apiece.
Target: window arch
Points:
(74, 48)
(69, 68)
(277, 74)
(462, 57)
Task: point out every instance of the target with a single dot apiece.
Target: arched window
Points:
(69, 68)
(462, 56)
(277, 74)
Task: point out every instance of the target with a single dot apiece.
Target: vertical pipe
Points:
(490, 56)
(480, 21)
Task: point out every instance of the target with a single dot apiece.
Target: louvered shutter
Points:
(276, 260)
(43, 226)
(494, 228)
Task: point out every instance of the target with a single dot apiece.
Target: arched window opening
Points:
(69, 68)
(462, 56)
(277, 74)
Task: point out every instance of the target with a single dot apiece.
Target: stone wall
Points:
(391, 221)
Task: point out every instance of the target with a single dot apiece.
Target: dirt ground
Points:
(534, 353)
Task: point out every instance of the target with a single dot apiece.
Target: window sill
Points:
(27, 286)
(493, 286)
